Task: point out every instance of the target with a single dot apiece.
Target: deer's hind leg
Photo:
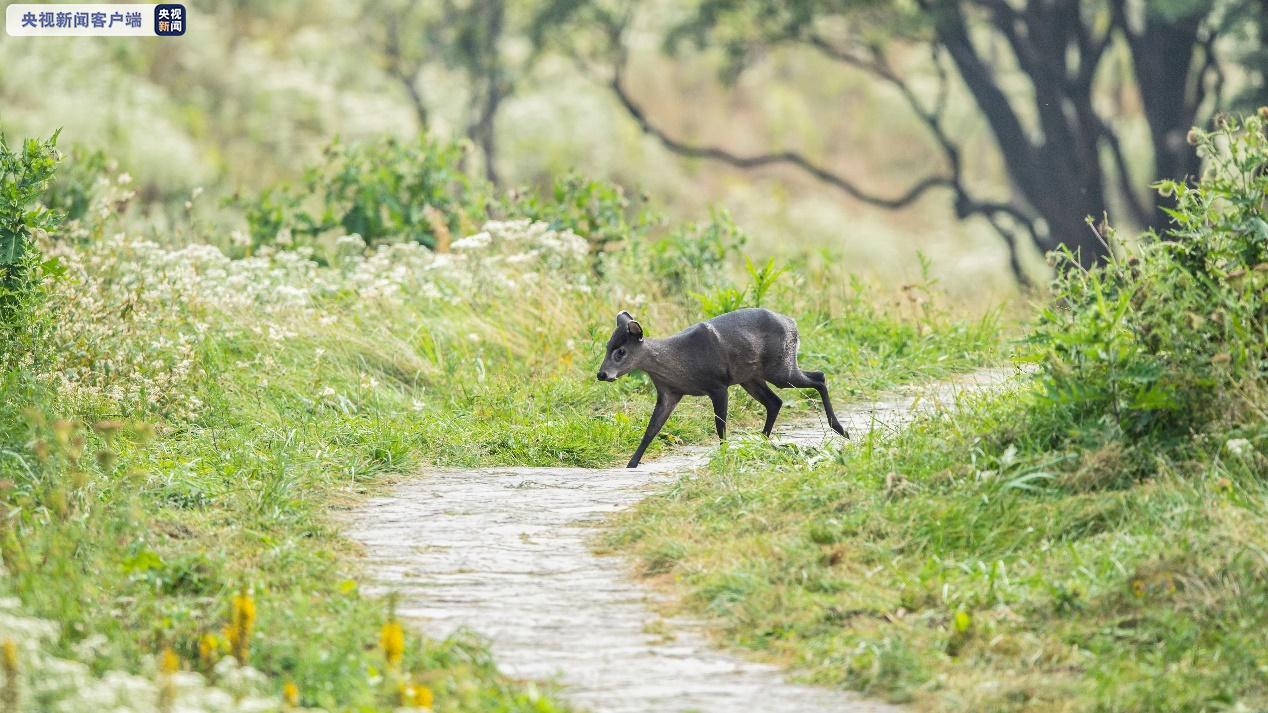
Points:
(719, 399)
(817, 381)
(760, 391)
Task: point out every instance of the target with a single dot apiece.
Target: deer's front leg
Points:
(719, 398)
(665, 403)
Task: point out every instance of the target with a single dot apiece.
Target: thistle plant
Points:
(24, 176)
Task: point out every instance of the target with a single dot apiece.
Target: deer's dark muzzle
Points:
(604, 377)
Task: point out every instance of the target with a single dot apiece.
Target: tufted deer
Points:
(748, 347)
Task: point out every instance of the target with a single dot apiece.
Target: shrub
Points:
(81, 175)
(24, 177)
(694, 256)
(391, 191)
(1153, 340)
(388, 191)
(394, 191)
(596, 210)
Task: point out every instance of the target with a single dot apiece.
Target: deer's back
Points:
(756, 343)
(734, 348)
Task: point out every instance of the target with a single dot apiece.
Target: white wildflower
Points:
(279, 334)
(479, 241)
(291, 295)
(1239, 447)
(350, 243)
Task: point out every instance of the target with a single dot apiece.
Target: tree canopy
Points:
(1061, 147)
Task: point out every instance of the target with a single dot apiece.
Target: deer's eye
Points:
(619, 354)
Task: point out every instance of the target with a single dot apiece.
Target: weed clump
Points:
(1168, 336)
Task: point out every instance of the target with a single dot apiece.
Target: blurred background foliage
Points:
(980, 133)
(863, 132)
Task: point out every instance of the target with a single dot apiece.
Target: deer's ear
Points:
(623, 318)
(635, 329)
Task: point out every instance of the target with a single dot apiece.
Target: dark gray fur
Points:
(749, 347)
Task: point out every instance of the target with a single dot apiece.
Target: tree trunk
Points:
(1163, 54)
(483, 129)
(1059, 175)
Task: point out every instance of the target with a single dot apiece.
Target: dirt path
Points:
(506, 552)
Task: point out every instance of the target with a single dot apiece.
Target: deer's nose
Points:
(602, 376)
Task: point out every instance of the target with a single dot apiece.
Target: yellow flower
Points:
(241, 623)
(10, 696)
(415, 695)
(169, 662)
(208, 645)
(290, 694)
(392, 640)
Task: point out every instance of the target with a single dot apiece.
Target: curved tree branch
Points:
(791, 158)
(1005, 218)
(1014, 249)
(965, 205)
(402, 70)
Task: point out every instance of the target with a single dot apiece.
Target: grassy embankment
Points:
(1092, 539)
(175, 442)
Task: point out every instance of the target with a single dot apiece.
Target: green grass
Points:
(137, 540)
(1074, 589)
(147, 552)
(1090, 540)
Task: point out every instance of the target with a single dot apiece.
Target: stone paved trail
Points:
(506, 553)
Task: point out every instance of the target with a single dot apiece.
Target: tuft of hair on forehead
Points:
(619, 337)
